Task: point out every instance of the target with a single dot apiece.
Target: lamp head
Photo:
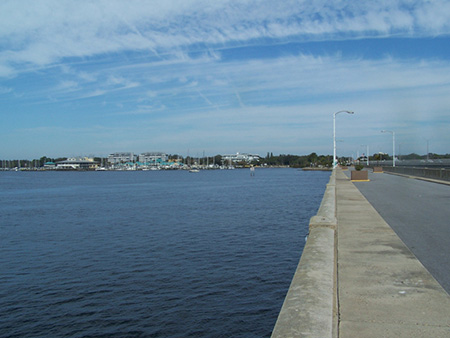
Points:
(344, 111)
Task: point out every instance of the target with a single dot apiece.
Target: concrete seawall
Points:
(310, 307)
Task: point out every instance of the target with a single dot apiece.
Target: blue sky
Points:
(81, 78)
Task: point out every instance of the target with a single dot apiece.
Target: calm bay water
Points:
(150, 254)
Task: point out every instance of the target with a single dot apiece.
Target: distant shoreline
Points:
(163, 169)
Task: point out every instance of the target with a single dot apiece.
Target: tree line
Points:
(298, 161)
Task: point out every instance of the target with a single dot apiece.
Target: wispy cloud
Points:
(226, 73)
(42, 33)
(238, 83)
(5, 90)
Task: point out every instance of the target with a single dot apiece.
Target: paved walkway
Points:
(383, 290)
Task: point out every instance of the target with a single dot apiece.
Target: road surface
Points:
(419, 212)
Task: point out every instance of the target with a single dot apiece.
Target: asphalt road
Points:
(419, 212)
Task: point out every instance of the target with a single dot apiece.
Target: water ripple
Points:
(150, 254)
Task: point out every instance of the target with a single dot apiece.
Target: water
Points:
(150, 254)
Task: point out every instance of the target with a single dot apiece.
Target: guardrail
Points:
(310, 306)
(431, 163)
(434, 173)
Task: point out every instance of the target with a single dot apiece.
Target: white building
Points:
(118, 158)
(75, 163)
(238, 157)
(153, 157)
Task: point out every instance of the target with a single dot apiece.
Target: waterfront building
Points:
(84, 163)
(49, 165)
(240, 157)
(117, 158)
(153, 157)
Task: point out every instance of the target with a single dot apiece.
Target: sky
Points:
(188, 77)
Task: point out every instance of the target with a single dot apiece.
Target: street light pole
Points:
(334, 134)
(393, 145)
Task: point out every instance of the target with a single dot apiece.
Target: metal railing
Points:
(434, 173)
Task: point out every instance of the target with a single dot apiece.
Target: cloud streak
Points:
(164, 74)
(45, 32)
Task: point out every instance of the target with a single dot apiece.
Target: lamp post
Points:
(334, 134)
(393, 145)
(367, 154)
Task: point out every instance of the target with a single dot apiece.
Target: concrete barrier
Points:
(377, 169)
(310, 306)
